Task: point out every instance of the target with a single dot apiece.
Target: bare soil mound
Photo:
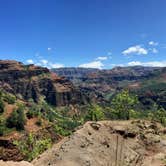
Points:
(109, 143)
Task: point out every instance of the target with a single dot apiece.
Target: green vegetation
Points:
(63, 120)
(31, 146)
(17, 119)
(123, 104)
(9, 98)
(95, 113)
(2, 106)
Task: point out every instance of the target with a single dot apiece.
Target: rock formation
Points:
(132, 143)
(33, 82)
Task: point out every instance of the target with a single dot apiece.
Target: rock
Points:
(95, 126)
(31, 82)
(11, 163)
(101, 146)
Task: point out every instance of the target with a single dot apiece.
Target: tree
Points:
(95, 113)
(123, 103)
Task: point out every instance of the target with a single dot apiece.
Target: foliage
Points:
(160, 116)
(9, 98)
(123, 103)
(2, 106)
(33, 110)
(31, 147)
(2, 126)
(60, 130)
(95, 113)
(17, 119)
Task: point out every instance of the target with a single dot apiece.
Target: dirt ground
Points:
(107, 143)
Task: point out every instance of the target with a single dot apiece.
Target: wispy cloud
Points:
(138, 50)
(154, 50)
(102, 58)
(56, 65)
(49, 48)
(93, 64)
(151, 63)
(152, 43)
(30, 61)
(45, 63)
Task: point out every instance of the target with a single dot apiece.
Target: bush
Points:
(95, 113)
(17, 119)
(160, 116)
(2, 106)
(60, 130)
(31, 146)
(2, 129)
(10, 99)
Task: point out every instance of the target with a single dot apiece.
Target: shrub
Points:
(17, 119)
(11, 99)
(160, 116)
(60, 130)
(2, 106)
(95, 113)
(32, 146)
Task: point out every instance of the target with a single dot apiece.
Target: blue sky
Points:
(85, 33)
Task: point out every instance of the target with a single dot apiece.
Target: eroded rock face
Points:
(32, 82)
(138, 143)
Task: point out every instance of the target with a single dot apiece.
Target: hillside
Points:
(33, 82)
(31, 101)
(147, 82)
(40, 109)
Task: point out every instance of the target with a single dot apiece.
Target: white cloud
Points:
(94, 64)
(44, 61)
(56, 65)
(30, 61)
(102, 58)
(49, 65)
(152, 63)
(138, 50)
(49, 49)
(135, 63)
(152, 43)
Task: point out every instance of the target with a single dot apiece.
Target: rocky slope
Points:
(132, 143)
(32, 82)
(39, 91)
(103, 84)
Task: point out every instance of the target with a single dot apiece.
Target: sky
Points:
(84, 33)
